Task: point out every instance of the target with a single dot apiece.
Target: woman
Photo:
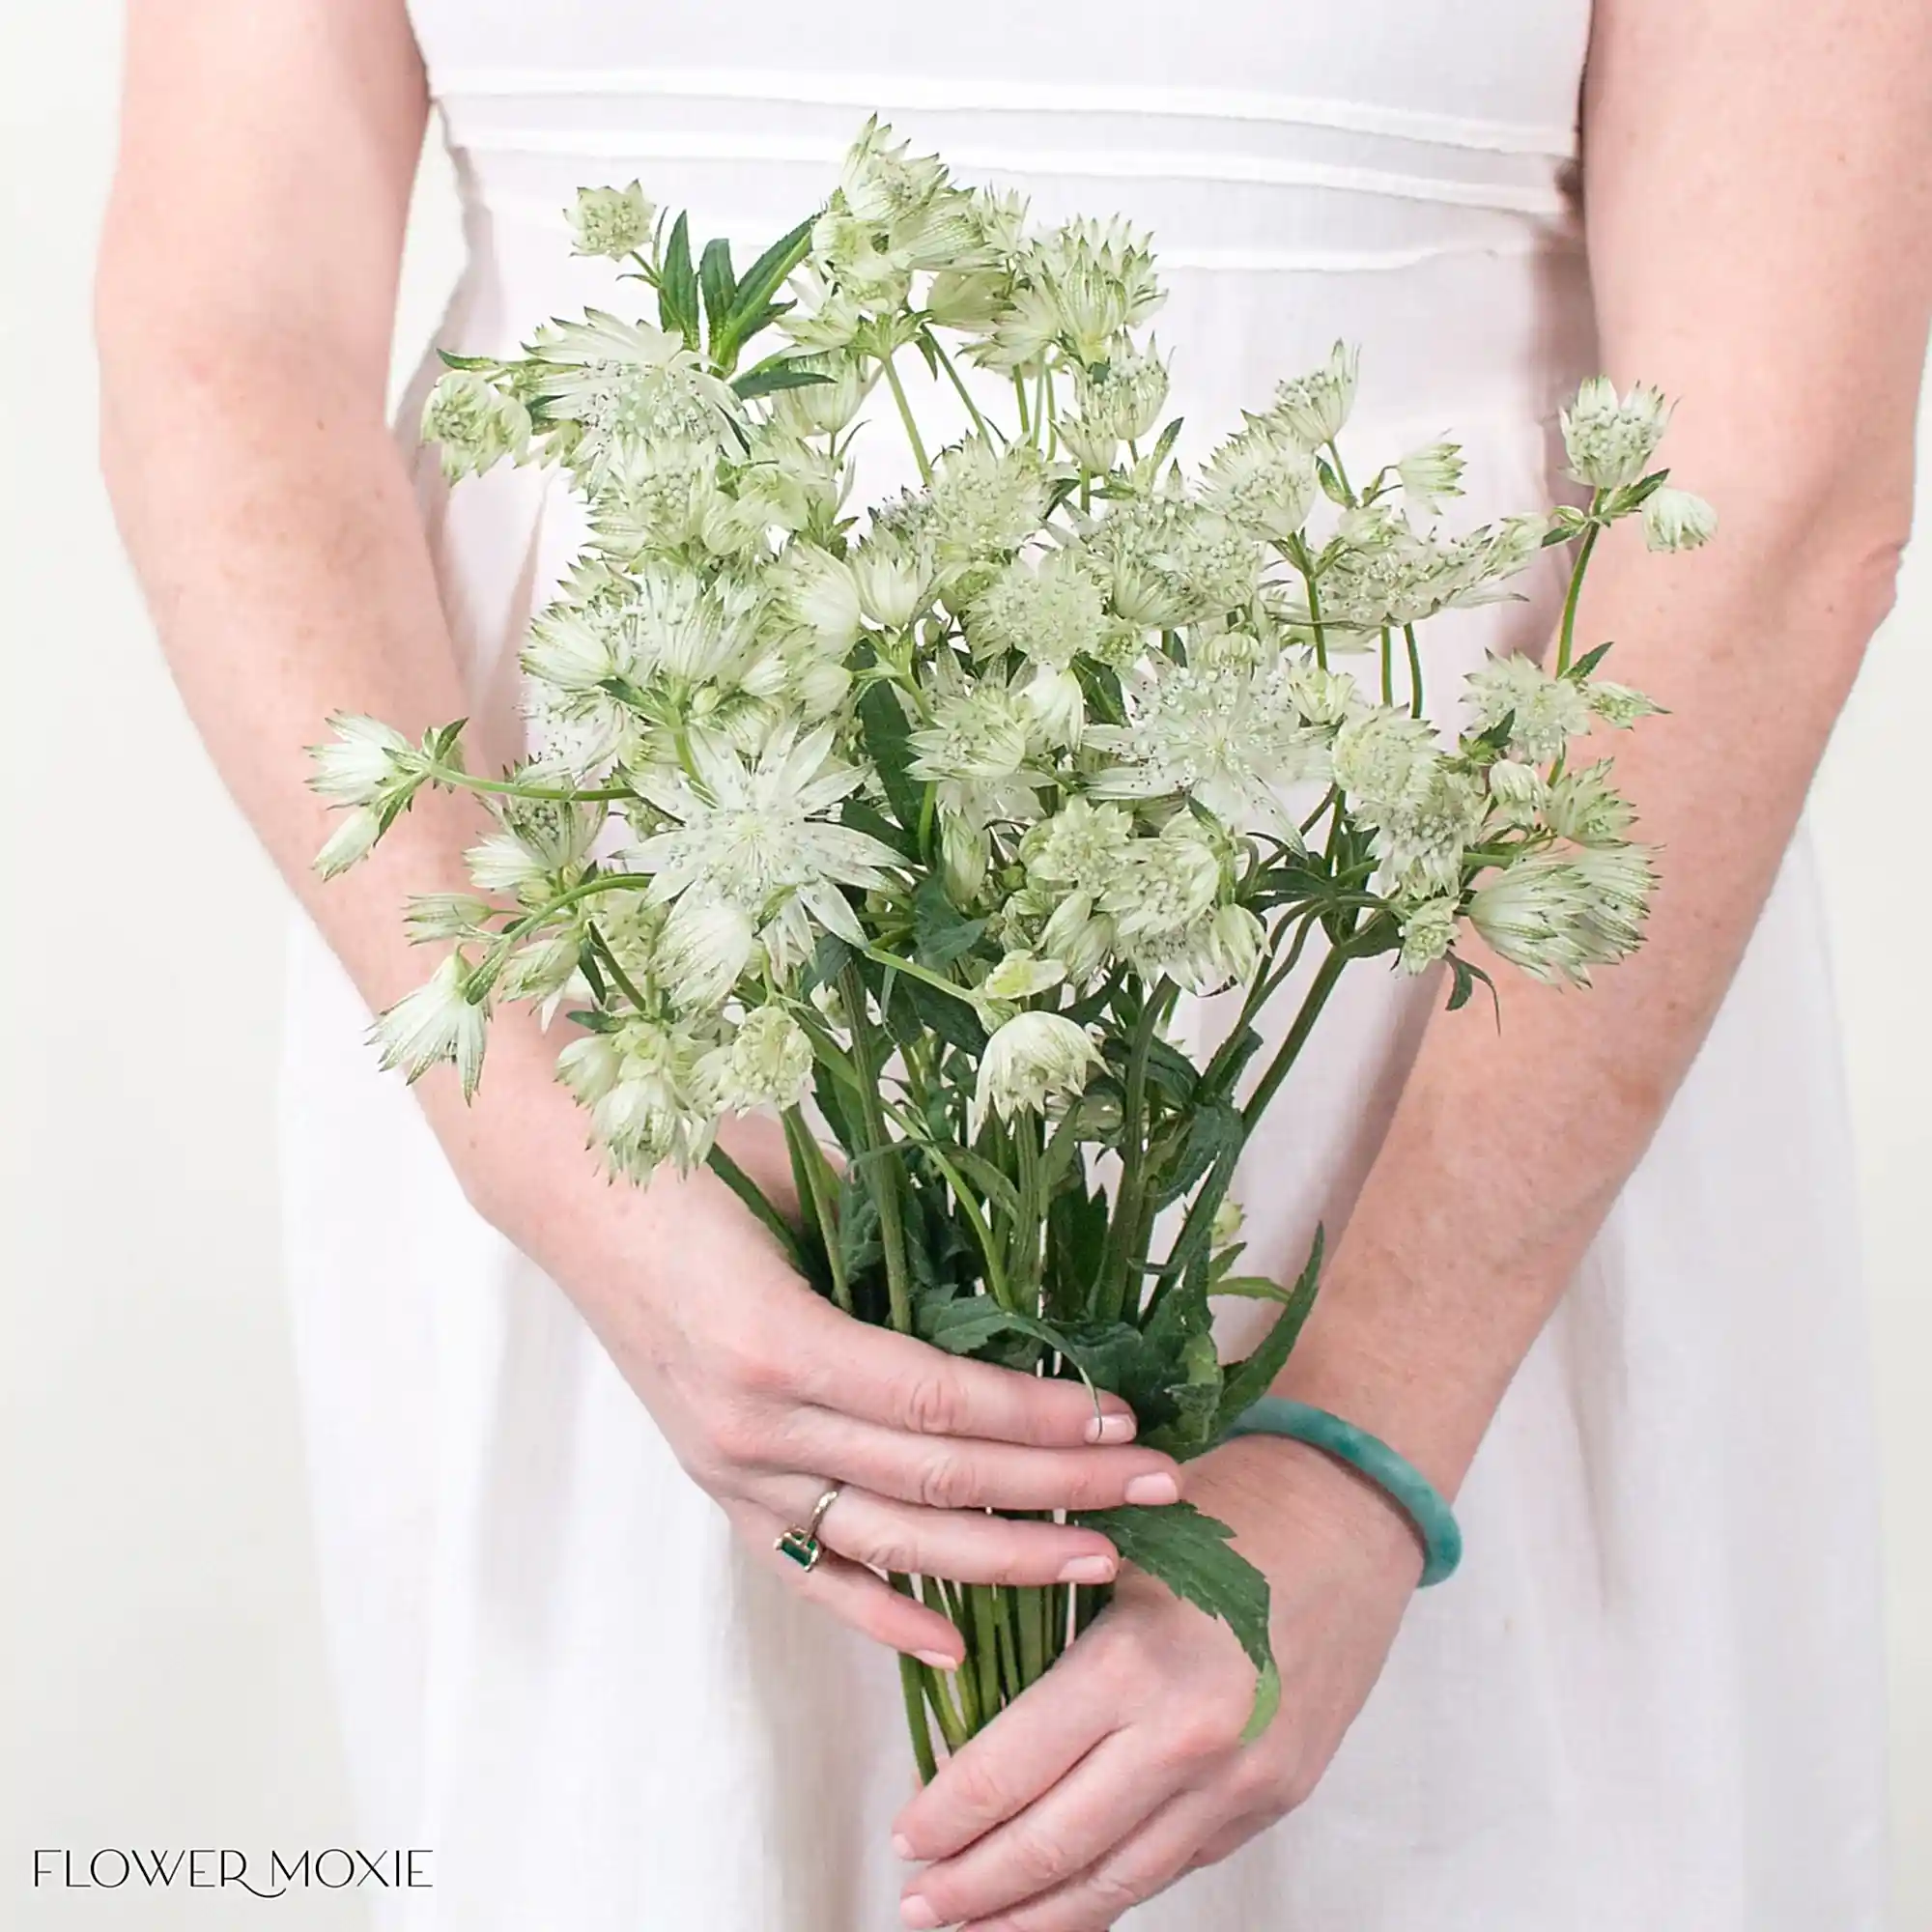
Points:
(1610, 1239)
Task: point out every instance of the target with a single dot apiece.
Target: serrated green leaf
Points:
(1194, 1556)
(941, 932)
(678, 285)
(1214, 1133)
(952, 1020)
(773, 377)
(1249, 1380)
(717, 283)
(756, 287)
(1588, 663)
(883, 721)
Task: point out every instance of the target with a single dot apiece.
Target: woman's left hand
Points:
(1123, 1769)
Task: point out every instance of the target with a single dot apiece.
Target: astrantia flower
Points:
(705, 945)
(755, 834)
(1165, 884)
(1225, 736)
(436, 1023)
(1544, 712)
(1050, 615)
(766, 1064)
(1382, 759)
(1020, 976)
(1609, 441)
(473, 424)
(1315, 407)
(1262, 479)
(1557, 914)
(1585, 808)
(536, 849)
(1077, 936)
(1080, 847)
(648, 1094)
(1432, 473)
(1518, 790)
(1076, 289)
(980, 733)
(893, 578)
(1427, 931)
(1386, 573)
(986, 501)
(823, 408)
(353, 838)
(367, 762)
(1676, 520)
(1618, 705)
(612, 221)
(1116, 401)
(820, 592)
(1168, 561)
(1033, 1061)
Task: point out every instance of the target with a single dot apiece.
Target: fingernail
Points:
(1111, 1427)
(916, 1912)
(1154, 1489)
(939, 1661)
(902, 1848)
(1089, 1569)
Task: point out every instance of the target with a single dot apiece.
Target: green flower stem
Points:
(1009, 1655)
(1566, 636)
(752, 1196)
(1124, 1242)
(880, 1177)
(919, 454)
(971, 1208)
(1032, 1215)
(1389, 666)
(1341, 471)
(912, 1688)
(809, 1157)
(1297, 554)
(601, 948)
(879, 956)
(985, 1661)
(1026, 416)
(1319, 987)
(460, 781)
(1414, 671)
(945, 362)
(1032, 1636)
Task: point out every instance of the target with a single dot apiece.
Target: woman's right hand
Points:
(768, 1394)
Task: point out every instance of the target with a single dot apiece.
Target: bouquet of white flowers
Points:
(915, 828)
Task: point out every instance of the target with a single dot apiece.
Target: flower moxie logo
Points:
(208, 1869)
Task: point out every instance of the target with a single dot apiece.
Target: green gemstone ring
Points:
(801, 1543)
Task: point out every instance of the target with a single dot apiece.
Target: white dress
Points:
(1649, 1700)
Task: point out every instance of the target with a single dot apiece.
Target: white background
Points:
(163, 1667)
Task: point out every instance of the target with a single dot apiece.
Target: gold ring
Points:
(801, 1542)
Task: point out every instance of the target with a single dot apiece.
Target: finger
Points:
(891, 1379)
(1145, 1861)
(1024, 1752)
(857, 1597)
(1228, 1841)
(950, 1473)
(1067, 1829)
(963, 1546)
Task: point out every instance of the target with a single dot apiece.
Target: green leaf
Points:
(1588, 663)
(775, 376)
(883, 721)
(1465, 975)
(952, 1020)
(1076, 1224)
(1194, 1556)
(862, 816)
(941, 932)
(717, 284)
(756, 287)
(678, 285)
(1166, 443)
(1249, 1380)
(858, 1224)
(1215, 1133)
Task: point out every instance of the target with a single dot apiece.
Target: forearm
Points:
(270, 515)
(1511, 1142)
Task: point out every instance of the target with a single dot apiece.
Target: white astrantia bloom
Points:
(1421, 843)
(1165, 884)
(980, 732)
(1387, 574)
(544, 966)
(1557, 914)
(1427, 931)
(1225, 737)
(1168, 560)
(755, 833)
(1585, 808)
(1518, 790)
(473, 424)
(612, 221)
(1315, 407)
(436, 1023)
(1021, 976)
(1116, 401)
(353, 840)
(1431, 474)
(434, 916)
(1051, 613)
(1676, 520)
(1383, 759)
(536, 850)
(820, 592)
(1080, 848)
(767, 1063)
(1611, 439)
(1544, 712)
(986, 501)
(367, 761)
(1263, 480)
(824, 408)
(1077, 289)
(705, 945)
(648, 1092)
(965, 857)
(1618, 705)
(1077, 936)
(1619, 880)
(894, 578)
(1031, 1062)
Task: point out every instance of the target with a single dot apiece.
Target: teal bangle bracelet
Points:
(1397, 1478)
